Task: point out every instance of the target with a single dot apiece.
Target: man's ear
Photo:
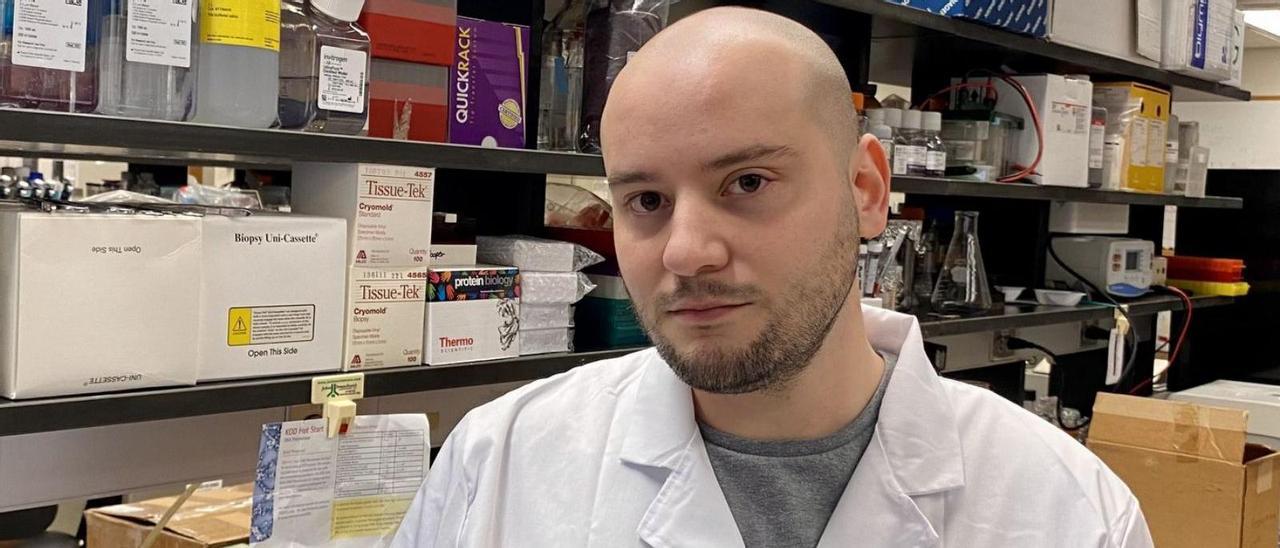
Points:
(870, 174)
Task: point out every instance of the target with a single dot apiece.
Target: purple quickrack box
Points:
(487, 84)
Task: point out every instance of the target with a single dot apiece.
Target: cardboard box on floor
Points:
(1200, 484)
(209, 519)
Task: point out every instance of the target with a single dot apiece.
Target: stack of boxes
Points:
(1137, 127)
(412, 42)
(388, 210)
(552, 283)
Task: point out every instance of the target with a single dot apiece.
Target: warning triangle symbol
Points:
(239, 324)
(355, 360)
(361, 256)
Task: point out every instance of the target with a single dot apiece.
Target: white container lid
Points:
(342, 10)
(892, 117)
(932, 121)
(882, 132)
(875, 117)
(911, 119)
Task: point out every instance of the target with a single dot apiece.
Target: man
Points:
(775, 411)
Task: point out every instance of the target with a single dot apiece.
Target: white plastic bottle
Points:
(238, 65)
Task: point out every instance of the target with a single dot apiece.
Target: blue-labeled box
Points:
(1029, 17)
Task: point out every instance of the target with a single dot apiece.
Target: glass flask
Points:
(962, 281)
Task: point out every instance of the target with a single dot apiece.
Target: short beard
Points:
(799, 323)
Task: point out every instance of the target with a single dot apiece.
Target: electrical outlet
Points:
(1000, 344)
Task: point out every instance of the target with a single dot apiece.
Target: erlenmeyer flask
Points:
(962, 282)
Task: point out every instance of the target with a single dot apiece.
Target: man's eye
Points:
(646, 202)
(747, 184)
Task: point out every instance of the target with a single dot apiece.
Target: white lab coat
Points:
(609, 455)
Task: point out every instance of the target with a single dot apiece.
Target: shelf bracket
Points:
(337, 393)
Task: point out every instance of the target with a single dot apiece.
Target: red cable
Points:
(1182, 337)
(1039, 127)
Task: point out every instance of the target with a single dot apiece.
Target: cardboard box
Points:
(473, 313)
(387, 208)
(1237, 50)
(453, 254)
(487, 84)
(276, 324)
(386, 310)
(1020, 16)
(1130, 30)
(407, 101)
(1141, 114)
(419, 31)
(1198, 38)
(209, 519)
(97, 302)
(1065, 106)
(1200, 484)
(1260, 400)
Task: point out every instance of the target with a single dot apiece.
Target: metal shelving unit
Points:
(892, 21)
(52, 414)
(1023, 191)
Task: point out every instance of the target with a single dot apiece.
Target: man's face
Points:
(736, 230)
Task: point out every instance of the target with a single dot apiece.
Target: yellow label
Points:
(253, 23)
(367, 516)
(347, 386)
(239, 326)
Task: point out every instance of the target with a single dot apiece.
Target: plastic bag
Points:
(124, 197)
(615, 30)
(214, 196)
(545, 316)
(543, 341)
(535, 254)
(554, 287)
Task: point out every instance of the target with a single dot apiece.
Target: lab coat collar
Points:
(917, 428)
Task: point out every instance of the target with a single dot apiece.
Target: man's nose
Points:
(695, 243)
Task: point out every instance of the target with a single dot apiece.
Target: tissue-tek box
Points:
(385, 312)
(97, 302)
(487, 84)
(387, 208)
(473, 313)
(255, 319)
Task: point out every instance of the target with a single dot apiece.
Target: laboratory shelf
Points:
(1024, 191)
(93, 137)
(64, 413)
(1014, 316)
(896, 22)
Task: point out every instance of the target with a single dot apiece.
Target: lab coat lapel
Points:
(914, 455)
(689, 509)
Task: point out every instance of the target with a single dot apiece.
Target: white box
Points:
(1198, 38)
(387, 208)
(1128, 29)
(271, 301)
(97, 302)
(1262, 401)
(453, 254)
(1065, 106)
(531, 254)
(473, 313)
(1237, 50)
(1082, 218)
(385, 314)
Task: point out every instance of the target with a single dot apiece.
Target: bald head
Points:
(724, 51)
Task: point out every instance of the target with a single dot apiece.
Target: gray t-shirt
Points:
(782, 493)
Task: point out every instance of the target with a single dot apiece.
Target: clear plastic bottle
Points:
(238, 63)
(910, 145)
(962, 281)
(144, 59)
(324, 67)
(935, 153)
(55, 65)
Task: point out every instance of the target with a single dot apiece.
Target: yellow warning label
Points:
(239, 320)
(253, 23)
(249, 325)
